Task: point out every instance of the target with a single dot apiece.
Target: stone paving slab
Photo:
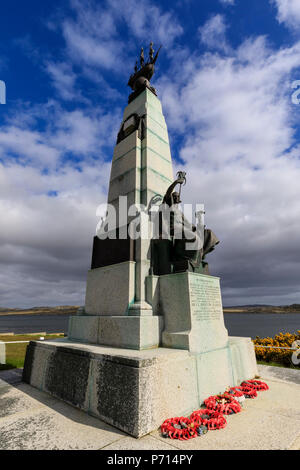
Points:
(12, 401)
(283, 374)
(251, 429)
(295, 445)
(41, 429)
(279, 400)
(31, 419)
(145, 443)
(12, 376)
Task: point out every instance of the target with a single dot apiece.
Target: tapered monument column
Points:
(146, 172)
(141, 169)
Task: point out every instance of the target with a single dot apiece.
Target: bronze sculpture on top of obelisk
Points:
(141, 78)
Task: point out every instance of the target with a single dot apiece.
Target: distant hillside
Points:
(61, 310)
(294, 308)
(72, 309)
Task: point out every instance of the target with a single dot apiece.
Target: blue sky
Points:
(224, 77)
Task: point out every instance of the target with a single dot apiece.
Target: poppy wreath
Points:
(235, 392)
(248, 390)
(257, 385)
(224, 404)
(179, 428)
(210, 418)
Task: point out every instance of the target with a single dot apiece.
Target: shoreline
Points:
(258, 312)
(73, 312)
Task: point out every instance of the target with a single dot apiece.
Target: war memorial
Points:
(150, 342)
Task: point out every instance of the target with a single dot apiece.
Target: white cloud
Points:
(243, 161)
(27, 146)
(237, 124)
(64, 80)
(288, 12)
(81, 132)
(48, 200)
(84, 48)
(146, 20)
(213, 32)
(92, 37)
(49, 217)
(45, 241)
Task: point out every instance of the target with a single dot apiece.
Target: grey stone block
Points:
(67, 375)
(2, 353)
(243, 358)
(110, 290)
(192, 308)
(134, 391)
(119, 331)
(84, 328)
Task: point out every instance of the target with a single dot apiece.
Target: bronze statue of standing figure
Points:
(180, 245)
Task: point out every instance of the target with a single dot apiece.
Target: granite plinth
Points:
(110, 290)
(132, 332)
(134, 391)
(2, 353)
(111, 251)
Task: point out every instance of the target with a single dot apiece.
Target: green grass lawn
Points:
(15, 353)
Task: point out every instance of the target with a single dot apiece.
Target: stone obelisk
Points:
(119, 294)
(150, 342)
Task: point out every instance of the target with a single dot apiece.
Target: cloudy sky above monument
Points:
(224, 77)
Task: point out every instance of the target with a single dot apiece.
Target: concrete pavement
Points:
(30, 419)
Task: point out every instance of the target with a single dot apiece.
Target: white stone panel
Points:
(156, 127)
(110, 290)
(157, 162)
(157, 145)
(133, 197)
(244, 359)
(2, 353)
(124, 184)
(152, 179)
(84, 328)
(192, 308)
(129, 161)
(130, 142)
(118, 331)
(141, 104)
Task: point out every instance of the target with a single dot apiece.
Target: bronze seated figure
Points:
(179, 246)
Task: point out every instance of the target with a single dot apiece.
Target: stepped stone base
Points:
(132, 332)
(135, 391)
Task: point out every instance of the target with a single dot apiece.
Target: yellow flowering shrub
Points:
(282, 356)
